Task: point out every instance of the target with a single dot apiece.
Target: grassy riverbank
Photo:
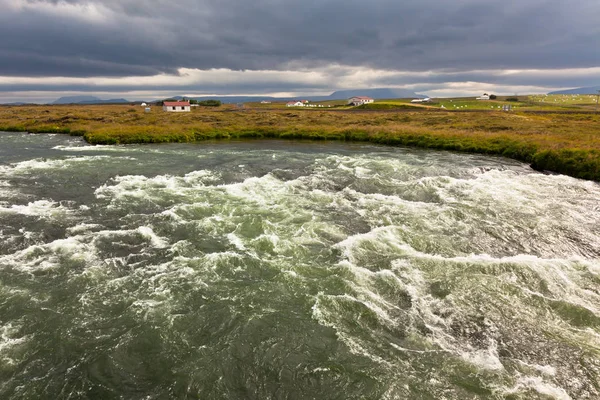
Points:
(564, 143)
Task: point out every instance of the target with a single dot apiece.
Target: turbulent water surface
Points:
(290, 270)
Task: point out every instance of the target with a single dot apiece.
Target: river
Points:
(293, 270)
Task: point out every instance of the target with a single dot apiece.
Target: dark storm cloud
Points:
(78, 38)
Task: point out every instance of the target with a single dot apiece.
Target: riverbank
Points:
(562, 143)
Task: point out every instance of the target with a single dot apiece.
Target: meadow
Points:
(564, 142)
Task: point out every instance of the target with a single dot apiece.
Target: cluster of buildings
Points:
(297, 103)
(359, 100)
(353, 101)
(185, 106)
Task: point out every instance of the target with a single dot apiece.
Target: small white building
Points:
(359, 100)
(295, 104)
(177, 106)
(483, 97)
(144, 105)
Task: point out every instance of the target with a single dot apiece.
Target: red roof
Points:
(176, 103)
(362, 97)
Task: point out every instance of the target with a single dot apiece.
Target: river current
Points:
(293, 270)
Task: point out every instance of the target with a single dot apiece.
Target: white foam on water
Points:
(327, 318)
(155, 188)
(547, 370)
(116, 149)
(484, 359)
(8, 341)
(98, 147)
(292, 274)
(48, 256)
(263, 191)
(146, 307)
(236, 241)
(39, 208)
(560, 275)
(83, 228)
(540, 386)
(49, 164)
(155, 240)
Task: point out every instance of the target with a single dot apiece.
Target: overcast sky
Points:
(154, 48)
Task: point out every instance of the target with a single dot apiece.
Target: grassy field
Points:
(566, 143)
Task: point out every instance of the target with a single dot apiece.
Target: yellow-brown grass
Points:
(566, 143)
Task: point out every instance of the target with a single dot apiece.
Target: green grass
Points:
(383, 105)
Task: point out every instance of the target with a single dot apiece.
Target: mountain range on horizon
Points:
(581, 90)
(378, 93)
(87, 100)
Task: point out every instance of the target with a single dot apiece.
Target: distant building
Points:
(295, 104)
(425, 100)
(265, 102)
(483, 97)
(177, 106)
(359, 100)
(144, 104)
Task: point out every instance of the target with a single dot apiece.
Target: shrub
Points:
(210, 103)
(512, 99)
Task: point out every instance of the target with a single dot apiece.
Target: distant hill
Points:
(18, 103)
(109, 101)
(381, 93)
(583, 90)
(87, 100)
(376, 94)
(75, 99)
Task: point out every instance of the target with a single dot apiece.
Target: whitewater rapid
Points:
(293, 270)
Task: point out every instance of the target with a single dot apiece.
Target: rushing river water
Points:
(292, 270)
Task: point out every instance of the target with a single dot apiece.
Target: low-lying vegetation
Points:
(564, 143)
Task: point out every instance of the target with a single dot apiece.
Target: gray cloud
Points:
(78, 38)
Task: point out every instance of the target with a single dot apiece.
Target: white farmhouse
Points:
(425, 100)
(483, 97)
(359, 100)
(176, 106)
(295, 104)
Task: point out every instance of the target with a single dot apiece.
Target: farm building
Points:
(176, 106)
(359, 100)
(295, 104)
(425, 100)
(483, 97)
